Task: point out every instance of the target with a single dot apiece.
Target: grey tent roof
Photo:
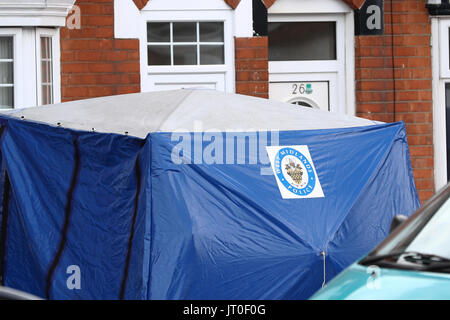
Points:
(184, 110)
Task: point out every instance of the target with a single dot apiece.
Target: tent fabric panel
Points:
(5, 197)
(137, 282)
(40, 160)
(392, 183)
(33, 230)
(25, 270)
(223, 231)
(101, 223)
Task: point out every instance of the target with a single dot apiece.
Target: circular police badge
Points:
(294, 171)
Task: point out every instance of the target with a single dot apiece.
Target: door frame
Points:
(441, 76)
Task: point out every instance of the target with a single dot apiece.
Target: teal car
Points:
(412, 263)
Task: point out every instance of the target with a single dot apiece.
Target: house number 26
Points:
(298, 88)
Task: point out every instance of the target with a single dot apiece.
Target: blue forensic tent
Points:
(97, 205)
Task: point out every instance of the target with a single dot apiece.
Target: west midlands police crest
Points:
(295, 172)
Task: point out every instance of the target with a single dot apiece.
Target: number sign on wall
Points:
(369, 19)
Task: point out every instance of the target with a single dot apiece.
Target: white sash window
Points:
(29, 51)
(48, 66)
(29, 67)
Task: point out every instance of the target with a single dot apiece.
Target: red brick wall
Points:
(252, 66)
(409, 72)
(93, 63)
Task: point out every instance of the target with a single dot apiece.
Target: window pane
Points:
(46, 71)
(47, 94)
(6, 47)
(290, 41)
(211, 32)
(6, 73)
(46, 44)
(158, 32)
(158, 55)
(185, 55)
(185, 32)
(212, 55)
(6, 97)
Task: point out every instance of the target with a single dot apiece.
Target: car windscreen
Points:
(434, 238)
(423, 240)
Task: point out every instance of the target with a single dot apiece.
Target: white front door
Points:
(311, 55)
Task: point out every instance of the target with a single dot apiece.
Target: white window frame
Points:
(441, 75)
(207, 71)
(56, 69)
(16, 34)
(340, 72)
(27, 74)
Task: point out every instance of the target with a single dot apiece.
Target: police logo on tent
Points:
(295, 172)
